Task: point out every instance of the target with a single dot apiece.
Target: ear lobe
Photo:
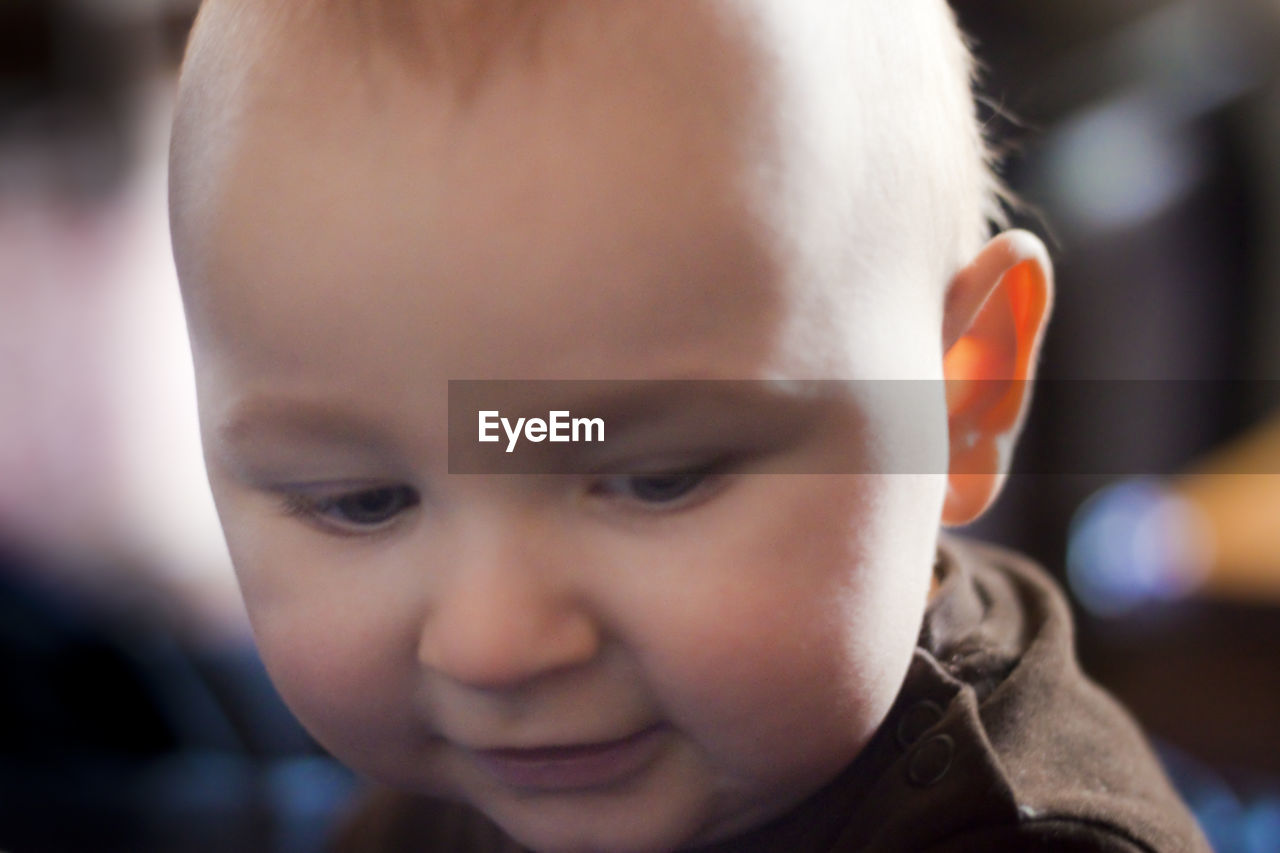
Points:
(994, 319)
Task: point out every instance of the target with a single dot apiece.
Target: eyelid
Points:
(708, 488)
(312, 502)
(714, 476)
(329, 488)
(666, 465)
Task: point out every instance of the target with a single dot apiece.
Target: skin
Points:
(355, 257)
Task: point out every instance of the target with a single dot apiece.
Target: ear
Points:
(994, 319)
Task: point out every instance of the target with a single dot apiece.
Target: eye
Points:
(665, 490)
(355, 511)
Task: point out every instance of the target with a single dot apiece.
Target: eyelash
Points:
(326, 511)
(698, 483)
(320, 509)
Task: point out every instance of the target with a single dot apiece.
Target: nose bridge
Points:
(503, 616)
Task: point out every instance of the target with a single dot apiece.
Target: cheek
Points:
(351, 685)
(798, 613)
(339, 651)
(333, 670)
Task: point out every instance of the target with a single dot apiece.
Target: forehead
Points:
(613, 214)
(532, 208)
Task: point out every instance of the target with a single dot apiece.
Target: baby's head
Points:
(373, 198)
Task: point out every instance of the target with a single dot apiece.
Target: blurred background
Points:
(1142, 138)
(134, 713)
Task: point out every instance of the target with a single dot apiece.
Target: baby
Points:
(690, 644)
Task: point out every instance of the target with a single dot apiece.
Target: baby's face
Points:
(596, 662)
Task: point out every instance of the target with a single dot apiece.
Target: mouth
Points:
(574, 767)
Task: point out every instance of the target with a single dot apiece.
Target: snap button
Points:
(931, 761)
(915, 721)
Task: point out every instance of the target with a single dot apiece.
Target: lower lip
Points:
(573, 768)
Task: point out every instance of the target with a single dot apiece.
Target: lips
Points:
(573, 767)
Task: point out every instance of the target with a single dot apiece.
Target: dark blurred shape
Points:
(116, 735)
(67, 77)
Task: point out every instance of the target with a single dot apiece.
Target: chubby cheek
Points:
(345, 693)
(340, 654)
(795, 624)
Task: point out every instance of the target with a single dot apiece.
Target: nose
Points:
(501, 620)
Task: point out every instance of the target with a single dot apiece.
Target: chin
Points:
(630, 835)
(561, 842)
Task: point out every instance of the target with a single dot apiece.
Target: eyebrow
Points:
(314, 420)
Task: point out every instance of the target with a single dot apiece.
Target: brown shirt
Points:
(996, 742)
